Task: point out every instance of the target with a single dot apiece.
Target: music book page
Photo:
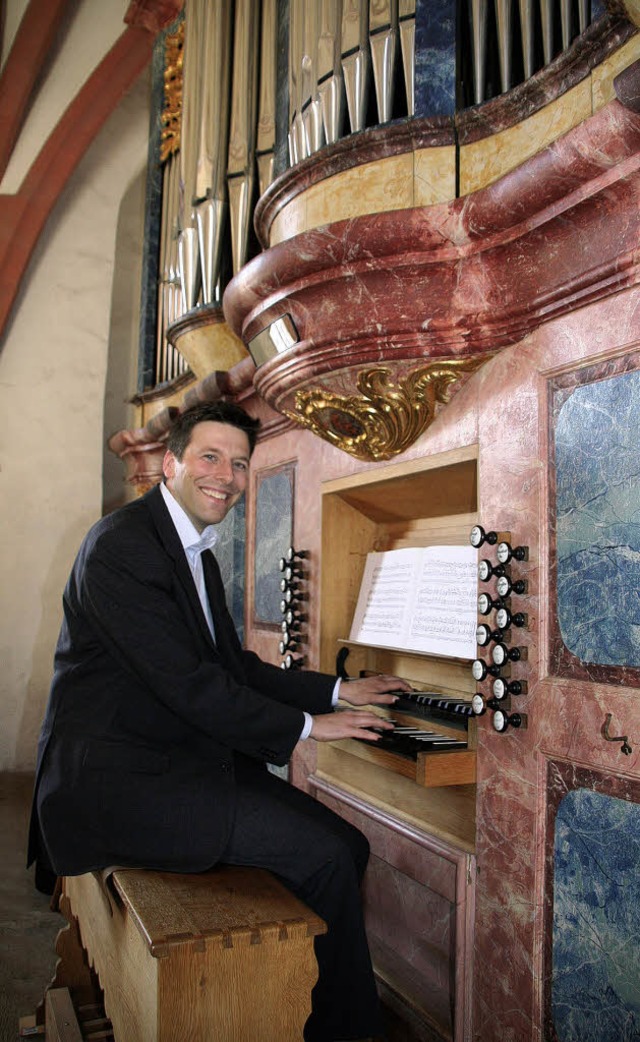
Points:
(420, 599)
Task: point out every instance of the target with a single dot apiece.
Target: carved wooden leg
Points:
(72, 969)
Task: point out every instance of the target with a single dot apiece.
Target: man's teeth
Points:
(212, 494)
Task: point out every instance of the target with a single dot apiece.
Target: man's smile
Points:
(213, 493)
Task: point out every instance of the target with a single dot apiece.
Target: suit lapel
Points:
(171, 543)
(226, 636)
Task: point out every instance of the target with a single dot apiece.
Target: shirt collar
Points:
(193, 541)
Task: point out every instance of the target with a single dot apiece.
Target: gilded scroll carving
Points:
(172, 110)
(388, 415)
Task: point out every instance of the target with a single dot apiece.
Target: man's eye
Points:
(240, 465)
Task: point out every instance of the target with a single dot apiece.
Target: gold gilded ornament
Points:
(387, 416)
(172, 112)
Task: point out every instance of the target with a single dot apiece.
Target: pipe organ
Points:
(350, 64)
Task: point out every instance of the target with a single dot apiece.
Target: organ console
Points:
(413, 791)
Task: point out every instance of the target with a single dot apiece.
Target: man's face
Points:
(212, 474)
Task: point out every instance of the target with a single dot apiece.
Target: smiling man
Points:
(160, 726)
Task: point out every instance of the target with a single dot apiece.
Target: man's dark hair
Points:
(210, 412)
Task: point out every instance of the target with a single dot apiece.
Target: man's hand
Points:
(372, 691)
(348, 723)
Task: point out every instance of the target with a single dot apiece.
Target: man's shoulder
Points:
(142, 521)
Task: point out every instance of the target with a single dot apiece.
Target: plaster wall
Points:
(54, 372)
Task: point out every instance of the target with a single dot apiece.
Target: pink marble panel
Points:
(416, 855)
(414, 897)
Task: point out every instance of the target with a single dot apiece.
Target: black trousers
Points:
(321, 858)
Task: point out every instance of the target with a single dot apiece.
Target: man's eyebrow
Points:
(214, 448)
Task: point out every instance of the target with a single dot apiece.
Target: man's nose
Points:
(223, 470)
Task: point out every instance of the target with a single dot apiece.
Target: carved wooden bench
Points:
(225, 955)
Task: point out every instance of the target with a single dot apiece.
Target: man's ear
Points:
(169, 464)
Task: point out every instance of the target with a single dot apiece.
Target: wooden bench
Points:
(225, 955)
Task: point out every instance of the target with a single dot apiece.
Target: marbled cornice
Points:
(379, 300)
(567, 70)
(355, 150)
(469, 125)
(450, 281)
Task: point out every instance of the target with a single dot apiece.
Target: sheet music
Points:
(420, 599)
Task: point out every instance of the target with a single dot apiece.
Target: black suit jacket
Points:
(147, 716)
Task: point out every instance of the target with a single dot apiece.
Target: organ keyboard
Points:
(430, 741)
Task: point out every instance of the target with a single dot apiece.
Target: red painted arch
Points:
(24, 214)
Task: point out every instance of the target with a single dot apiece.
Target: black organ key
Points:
(409, 741)
(425, 703)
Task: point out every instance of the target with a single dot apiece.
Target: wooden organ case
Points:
(417, 811)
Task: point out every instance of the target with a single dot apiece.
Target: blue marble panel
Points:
(598, 521)
(274, 530)
(596, 919)
(435, 60)
(229, 551)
